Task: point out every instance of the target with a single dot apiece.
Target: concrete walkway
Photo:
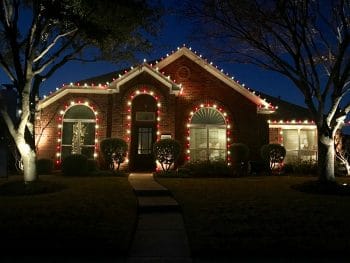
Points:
(160, 234)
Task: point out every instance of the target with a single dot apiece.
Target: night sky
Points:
(175, 33)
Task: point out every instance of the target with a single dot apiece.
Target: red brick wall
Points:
(199, 87)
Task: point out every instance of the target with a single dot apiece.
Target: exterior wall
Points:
(199, 87)
(49, 119)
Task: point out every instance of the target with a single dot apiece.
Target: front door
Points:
(143, 133)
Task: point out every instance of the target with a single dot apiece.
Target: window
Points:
(145, 116)
(207, 135)
(144, 141)
(78, 133)
(300, 144)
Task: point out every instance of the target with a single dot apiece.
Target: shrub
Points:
(92, 165)
(304, 167)
(75, 164)
(114, 151)
(239, 157)
(166, 151)
(44, 166)
(206, 169)
(273, 156)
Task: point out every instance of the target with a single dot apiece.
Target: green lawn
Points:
(261, 216)
(91, 216)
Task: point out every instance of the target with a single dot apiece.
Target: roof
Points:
(110, 82)
(287, 111)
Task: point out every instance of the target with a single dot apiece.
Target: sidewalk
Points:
(160, 235)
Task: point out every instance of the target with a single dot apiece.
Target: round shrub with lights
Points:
(114, 151)
(273, 155)
(166, 151)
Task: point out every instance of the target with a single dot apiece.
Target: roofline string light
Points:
(297, 122)
(261, 108)
(60, 121)
(227, 123)
(108, 83)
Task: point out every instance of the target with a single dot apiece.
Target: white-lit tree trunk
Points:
(326, 158)
(29, 166)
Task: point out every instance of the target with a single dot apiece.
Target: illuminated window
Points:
(78, 133)
(300, 144)
(207, 135)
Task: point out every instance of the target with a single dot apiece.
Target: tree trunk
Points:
(29, 165)
(326, 158)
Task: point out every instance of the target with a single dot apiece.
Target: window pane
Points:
(79, 112)
(66, 150)
(291, 143)
(308, 145)
(145, 116)
(217, 144)
(89, 138)
(144, 141)
(88, 151)
(198, 144)
(67, 134)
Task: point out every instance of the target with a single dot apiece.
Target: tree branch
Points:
(54, 42)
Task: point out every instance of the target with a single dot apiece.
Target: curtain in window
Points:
(207, 136)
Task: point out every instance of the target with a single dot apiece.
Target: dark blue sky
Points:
(175, 33)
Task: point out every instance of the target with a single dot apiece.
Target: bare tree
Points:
(37, 37)
(308, 41)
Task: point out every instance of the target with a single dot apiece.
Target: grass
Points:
(261, 216)
(86, 216)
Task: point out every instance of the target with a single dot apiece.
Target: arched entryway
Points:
(143, 133)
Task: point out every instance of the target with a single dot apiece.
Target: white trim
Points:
(113, 87)
(184, 51)
(151, 71)
(293, 126)
(64, 91)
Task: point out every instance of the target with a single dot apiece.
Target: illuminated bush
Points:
(114, 151)
(273, 156)
(166, 151)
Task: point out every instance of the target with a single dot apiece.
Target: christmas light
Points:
(60, 127)
(227, 124)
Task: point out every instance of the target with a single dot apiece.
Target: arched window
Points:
(78, 133)
(207, 135)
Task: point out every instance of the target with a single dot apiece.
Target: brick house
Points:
(182, 96)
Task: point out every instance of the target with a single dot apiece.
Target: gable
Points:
(262, 105)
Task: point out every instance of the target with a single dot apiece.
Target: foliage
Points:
(342, 152)
(92, 165)
(166, 151)
(239, 157)
(75, 165)
(273, 156)
(205, 169)
(54, 33)
(305, 167)
(306, 41)
(114, 151)
(44, 166)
